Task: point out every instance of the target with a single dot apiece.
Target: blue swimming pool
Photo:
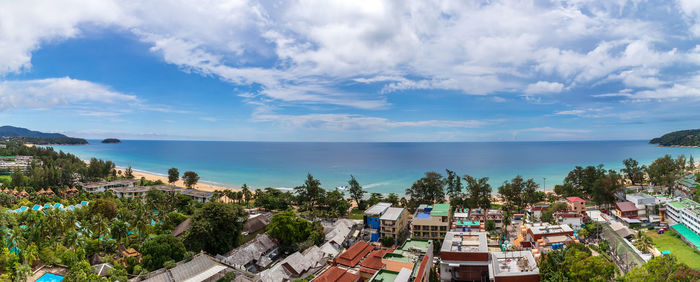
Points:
(50, 277)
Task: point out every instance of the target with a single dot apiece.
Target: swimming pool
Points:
(50, 277)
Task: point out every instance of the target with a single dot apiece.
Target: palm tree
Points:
(642, 242)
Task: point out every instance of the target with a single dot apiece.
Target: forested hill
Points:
(36, 137)
(689, 137)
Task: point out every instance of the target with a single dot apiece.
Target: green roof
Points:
(677, 205)
(440, 210)
(396, 257)
(468, 222)
(417, 243)
(687, 234)
(385, 275)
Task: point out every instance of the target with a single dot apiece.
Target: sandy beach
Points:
(154, 177)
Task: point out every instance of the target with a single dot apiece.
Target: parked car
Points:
(661, 231)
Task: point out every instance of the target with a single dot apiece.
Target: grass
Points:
(356, 214)
(678, 248)
(3, 177)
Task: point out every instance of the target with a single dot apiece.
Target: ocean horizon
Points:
(383, 167)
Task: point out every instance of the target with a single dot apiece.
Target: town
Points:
(84, 222)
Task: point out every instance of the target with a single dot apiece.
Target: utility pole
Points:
(544, 185)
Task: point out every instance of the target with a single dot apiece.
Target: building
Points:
(95, 187)
(371, 219)
(576, 204)
(337, 274)
(685, 212)
(626, 209)
(394, 223)
(513, 266)
(201, 268)
(645, 204)
(686, 186)
(9, 164)
(464, 256)
(373, 263)
(391, 276)
(537, 210)
(352, 256)
(415, 255)
(254, 255)
(140, 192)
(431, 222)
(573, 219)
(482, 216)
(544, 236)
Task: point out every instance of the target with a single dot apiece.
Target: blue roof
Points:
(23, 208)
(423, 215)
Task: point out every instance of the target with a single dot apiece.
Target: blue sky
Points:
(351, 70)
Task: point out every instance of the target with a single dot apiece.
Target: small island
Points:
(682, 138)
(111, 141)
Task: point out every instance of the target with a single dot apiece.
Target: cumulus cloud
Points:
(293, 53)
(49, 92)
(542, 87)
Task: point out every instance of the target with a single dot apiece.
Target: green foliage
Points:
(111, 141)
(513, 192)
(117, 273)
(228, 277)
(356, 191)
(490, 225)
(105, 207)
(664, 171)
(173, 175)
(160, 249)
(387, 241)
(310, 193)
(679, 138)
(190, 178)
(479, 192)
(375, 198)
(454, 185)
(274, 199)
(81, 271)
(129, 173)
(427, 190)
(216, 227)
(291, 230)
(575, 263)
(633, 171)
(665, 268)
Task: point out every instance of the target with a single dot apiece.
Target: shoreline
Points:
(201, 185)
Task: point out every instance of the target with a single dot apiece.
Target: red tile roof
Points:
(374, 259)
(575, 200)
(625, 206)
(337, 274)
(352, 256)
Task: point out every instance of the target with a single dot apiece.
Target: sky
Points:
(351, 70)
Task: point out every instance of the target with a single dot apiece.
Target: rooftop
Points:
(352, 256)
(575, 200)
(416, 244)
(467, 242)
(626, 206)
(440, 210)
(392, 214)
(374, 259)
(336, 274)
(377, 209)
(546, 228)
(517, 263)
(384, 276)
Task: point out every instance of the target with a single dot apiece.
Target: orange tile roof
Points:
(352, 256)
(337, 274)
(575, 200)
(374, 259)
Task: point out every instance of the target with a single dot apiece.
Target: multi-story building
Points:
(140, 192)
(686, 186)
(685, 212)
(513, 266)
(544, 236)
(415, 255)
(95, 187)
(573, 219)
(10, 164)
(626, 209)
(431, 222)
(644, 202)
(371, 219)
(394, 223)
(576, 204)
(464, 256)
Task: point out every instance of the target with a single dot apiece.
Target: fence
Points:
(625, 257)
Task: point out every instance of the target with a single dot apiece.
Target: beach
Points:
(201, 185)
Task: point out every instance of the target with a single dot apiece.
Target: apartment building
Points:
(576, 204)
(685, 212)
(95, 187)
(371, 219)
(464, 256)
(394, 223)
(140, 192)
(431, 222)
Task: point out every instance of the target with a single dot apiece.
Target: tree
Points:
(356, 191)
(479, 192)
(490, 225)
(691, 163)
(664, 171)
(605, 188)
(190, 178)
(309, 193)
(247, 195)
(393, 198)
(427, 190)
(291, 230)
(387, 241)
(633, 171)
(216, 228)
(129, 173)
(664, 268)
(642, 241)
(162, 248)
(173, 175)
(454, 187)
(105, 207)
(512, 192)
(375, 198)
(335, 204)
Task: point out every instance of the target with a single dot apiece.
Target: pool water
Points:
(50, 277)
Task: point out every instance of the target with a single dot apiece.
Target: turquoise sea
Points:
(379, 167)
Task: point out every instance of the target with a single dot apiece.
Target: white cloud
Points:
(542, 87)
(303, 52)
(43, 93)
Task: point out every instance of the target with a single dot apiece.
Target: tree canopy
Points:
(161, 248)
(190, 178)
(216, 227)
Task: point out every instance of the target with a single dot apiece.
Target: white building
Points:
(685, 212)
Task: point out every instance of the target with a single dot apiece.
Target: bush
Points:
(387, 241)
(169, 264)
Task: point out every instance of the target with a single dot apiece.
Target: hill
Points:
(37, 137)
(689, 137)
(111, 141)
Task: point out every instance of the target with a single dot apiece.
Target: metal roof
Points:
(392, 214)
(377, 209)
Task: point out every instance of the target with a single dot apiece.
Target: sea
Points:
(379, 167)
